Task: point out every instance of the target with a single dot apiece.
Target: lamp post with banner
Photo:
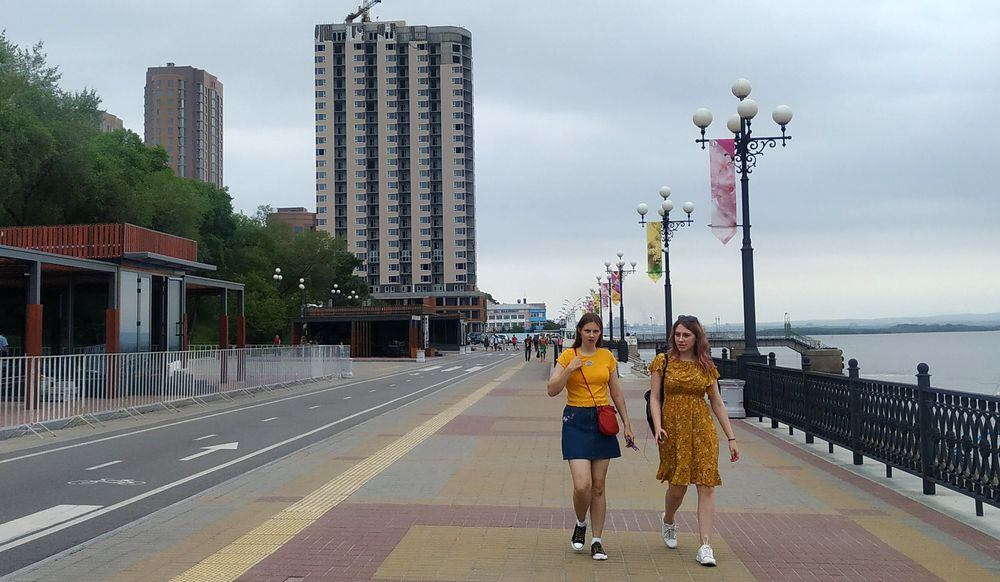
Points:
(622, 271)
(667, 229)
(747, 148)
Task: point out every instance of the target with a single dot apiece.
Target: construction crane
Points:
(362, 11)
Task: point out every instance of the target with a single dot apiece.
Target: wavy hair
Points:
(588, 318)
(702, 352)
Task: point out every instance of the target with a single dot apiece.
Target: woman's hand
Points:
(575, 364)
(661, 435)
(734, 452)
(629, 435)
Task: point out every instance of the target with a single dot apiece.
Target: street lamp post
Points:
(600, 307)
(622, 271)
(666, 233)
(302, 294)
(746, 148)
(277, 274)
(611, 308)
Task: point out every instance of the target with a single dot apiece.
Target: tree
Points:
(45, 139)
(550, 325)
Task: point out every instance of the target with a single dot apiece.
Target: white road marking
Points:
(208, 436)
(414, 374)
(132, 500)
(42, 519)
(314, 407)
(270, 419)
(101, 466)
(196, 419)
(451, 369)
(428, 369)
(370, 391)
(475, 368)
(212, 449)
(347, 397)
(392, 385)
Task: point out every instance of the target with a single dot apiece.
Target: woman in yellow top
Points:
(688, 443)
(587, 372)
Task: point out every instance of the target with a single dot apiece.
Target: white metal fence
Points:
(44, 389)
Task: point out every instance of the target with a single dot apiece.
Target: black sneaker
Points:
(579, 537)
(597, 551)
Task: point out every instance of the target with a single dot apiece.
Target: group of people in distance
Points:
(688, 445)
(537, 344)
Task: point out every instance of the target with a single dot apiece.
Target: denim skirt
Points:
(581, 438)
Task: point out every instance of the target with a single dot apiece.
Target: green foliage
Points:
(56, 167)
(549, 324)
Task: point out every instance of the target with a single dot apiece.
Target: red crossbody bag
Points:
(607, 423)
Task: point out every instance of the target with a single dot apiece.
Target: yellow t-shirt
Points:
(597, 368)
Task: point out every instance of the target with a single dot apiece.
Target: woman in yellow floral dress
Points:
(688, 443)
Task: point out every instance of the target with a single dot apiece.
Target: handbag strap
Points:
(585, 380)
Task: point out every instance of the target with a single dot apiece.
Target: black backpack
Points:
(649, 411)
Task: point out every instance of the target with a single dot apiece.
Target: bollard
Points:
(927, 435)
(772, 361)
(807, 399)
(854, 407)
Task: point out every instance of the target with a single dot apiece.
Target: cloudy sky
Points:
(885, 203)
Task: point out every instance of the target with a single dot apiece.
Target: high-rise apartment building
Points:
(184, 115)
(394, 158)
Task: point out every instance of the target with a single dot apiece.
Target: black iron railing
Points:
(945, 437)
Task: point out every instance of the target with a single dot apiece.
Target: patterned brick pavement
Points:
(485, 495)
(502, 512)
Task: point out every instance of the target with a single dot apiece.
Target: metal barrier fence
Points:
(35, 390)
(945, 437)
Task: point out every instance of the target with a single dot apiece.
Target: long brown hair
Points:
(702, 352)
(588, 318)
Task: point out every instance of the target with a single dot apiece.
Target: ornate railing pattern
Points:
(98, 241)
(945, 437)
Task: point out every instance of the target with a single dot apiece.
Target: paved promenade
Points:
(469, 484)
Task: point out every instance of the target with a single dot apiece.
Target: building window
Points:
(321, 221)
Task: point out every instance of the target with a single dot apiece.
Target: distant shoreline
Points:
(902, 328)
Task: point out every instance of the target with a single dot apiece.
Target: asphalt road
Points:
(58, 496)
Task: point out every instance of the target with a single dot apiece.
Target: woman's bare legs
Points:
(706, 511)
(598, 502)
(580, 469)
(672, 502)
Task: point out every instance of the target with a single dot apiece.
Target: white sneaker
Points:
(668, 531)
(705, 556)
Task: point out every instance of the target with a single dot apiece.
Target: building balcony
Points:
(99, 241)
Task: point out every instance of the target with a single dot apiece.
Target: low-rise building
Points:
(507, 316)
(299, 218)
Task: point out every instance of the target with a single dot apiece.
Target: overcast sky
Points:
(885, 203)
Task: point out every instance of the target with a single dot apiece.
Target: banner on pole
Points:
(616, 288)
(723, 172)
(654, 255)
(597, 302)
(605, 297)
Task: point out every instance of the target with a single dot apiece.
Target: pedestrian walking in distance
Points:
(587, 372)
(679, 379)
(527, 348)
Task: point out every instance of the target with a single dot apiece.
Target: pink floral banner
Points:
(605, 297)
(720, 156)
(616, 288)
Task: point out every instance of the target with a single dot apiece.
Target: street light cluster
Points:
(746, 149)
(667, 230)
(622, 272)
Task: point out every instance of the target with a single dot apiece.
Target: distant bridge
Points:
(730, 340)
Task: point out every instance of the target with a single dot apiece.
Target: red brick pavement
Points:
(351, 541)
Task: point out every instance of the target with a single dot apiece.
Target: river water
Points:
(966, 361)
